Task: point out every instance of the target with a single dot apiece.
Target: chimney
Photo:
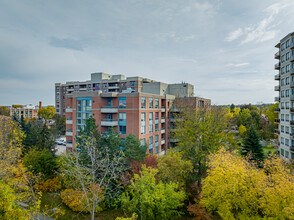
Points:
(40, 104)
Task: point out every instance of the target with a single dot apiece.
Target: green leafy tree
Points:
(271, 114)
(151, 200)
(133, 149)
(173, 168)
(252, 145)
(60, 124)
(200, 133)
(41, 162)
(4, 111)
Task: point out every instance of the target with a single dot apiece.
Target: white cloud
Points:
(262, 31)
(234, 35)
(238, 64)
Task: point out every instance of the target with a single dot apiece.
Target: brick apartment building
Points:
(134, 105)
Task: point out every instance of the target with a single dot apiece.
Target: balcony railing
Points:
(291, 122)
(277, 99)
(277, 77)
(69, 122)
(109, 122)
(277, 55)
(162, 120)
(109, 109)
(277, 131)
(277, 110)
(277, 120)
(162, 109)
(277, 88)
(277, 66)
(162, 141)
(162, 131)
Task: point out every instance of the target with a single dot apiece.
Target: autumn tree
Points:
(4, 111)
(173, 168)
(152, 200)
(200, 133)
(46, 113)
(237, 189)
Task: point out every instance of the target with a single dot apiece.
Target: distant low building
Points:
(26, 111)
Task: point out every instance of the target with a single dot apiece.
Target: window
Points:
(283, 47)
(282, 82)
(122, 123)
(287, 105)
(156, 103)
(282, 105)
(287, 93)
(282, 70)
(143, 102)
(282, 117)
(286, 141)
(151, 145)
(287, 68)
(122, 102)
(132, 83)
(156, 127)
(282, 94)
(84, 111)
(156, 144)
(287, 80)
(89, 85)
(283, 58)
(143, 123)
(287, 43)
(143, 142)
(287, 131)
(282, 140)
(282, 128)
(104, 85)
(282, 152)
(150, 102)
(57, 88)
(76, 86)
(151, 122)
(287, 154)
(288, 56)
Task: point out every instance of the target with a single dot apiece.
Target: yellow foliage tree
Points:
(237, 189)
(242, 130)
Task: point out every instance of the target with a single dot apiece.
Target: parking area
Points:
(60, 145)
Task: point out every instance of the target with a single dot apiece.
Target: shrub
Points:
(49, 185)
(76, 200)
(151, 200)
(41, 162)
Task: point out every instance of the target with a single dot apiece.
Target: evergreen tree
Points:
(252, 145)
(133, 149)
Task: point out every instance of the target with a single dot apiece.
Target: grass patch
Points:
(53, 200)
(268, 149)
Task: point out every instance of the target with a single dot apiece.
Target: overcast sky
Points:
(225, 48)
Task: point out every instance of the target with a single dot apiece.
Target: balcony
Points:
(292, 110)
(162, 120)
(68, 122)
(292, 71)
(68, 110)
(292, 45)
(277, 55)
(291, 148)
(162, 131)
(277, 77)
(109, 109)
(292, 97)
(83, 89)
(172, 140)
(277, 99)
(109, 122)
(291, 122)
(277, 110)
(173, 120)
(277, 131)
(277, 120)
(68, 133)
(175, 110)
(69, 145)
(162, 141)
(162, 109)
(277, 88)
(277, 66)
